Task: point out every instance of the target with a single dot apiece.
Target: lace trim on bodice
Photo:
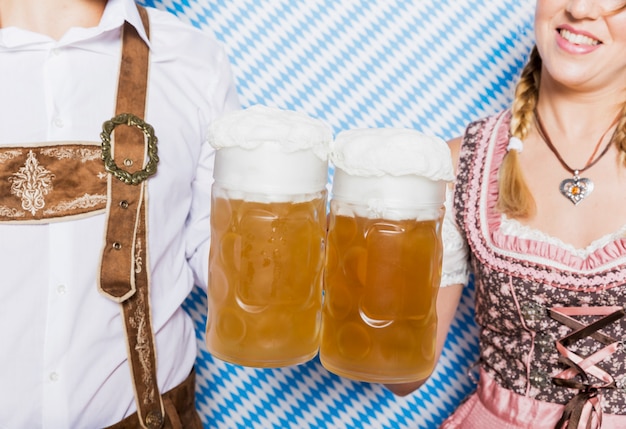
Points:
(516, 230)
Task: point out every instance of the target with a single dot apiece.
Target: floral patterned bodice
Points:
(519, 278)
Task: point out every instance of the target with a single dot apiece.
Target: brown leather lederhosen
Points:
(180, 409)
(63, 180)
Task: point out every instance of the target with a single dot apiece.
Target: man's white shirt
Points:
(63, 359)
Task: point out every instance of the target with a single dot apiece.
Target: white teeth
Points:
(578, 39)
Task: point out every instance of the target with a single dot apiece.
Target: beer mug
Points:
(268, 228)
(384, 255)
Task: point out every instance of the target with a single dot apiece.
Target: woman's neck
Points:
(50, 17)
(579, 114)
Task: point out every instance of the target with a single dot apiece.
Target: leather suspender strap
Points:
(124, 270)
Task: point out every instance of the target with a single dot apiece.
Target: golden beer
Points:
(265, 280)
(381, 283)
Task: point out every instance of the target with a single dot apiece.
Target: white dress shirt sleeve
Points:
(223, 98)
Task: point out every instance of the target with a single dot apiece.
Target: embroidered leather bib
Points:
(51, 182)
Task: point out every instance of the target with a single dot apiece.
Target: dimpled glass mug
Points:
(268, 228)
(384, 254)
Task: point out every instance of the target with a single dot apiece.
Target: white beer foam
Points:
(250, 128)
(391, 172)
(392, 151)
(268, 154)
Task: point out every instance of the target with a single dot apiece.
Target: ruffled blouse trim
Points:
(519, 238)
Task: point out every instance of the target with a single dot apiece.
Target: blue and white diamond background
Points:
(431, 65)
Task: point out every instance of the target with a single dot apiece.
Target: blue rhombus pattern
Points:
(431, 65)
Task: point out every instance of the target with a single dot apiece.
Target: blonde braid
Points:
(514, 198)
(620, 136)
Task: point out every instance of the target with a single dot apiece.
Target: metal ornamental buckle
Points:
(109, 163)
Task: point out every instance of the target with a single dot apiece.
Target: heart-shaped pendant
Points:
(576, 189)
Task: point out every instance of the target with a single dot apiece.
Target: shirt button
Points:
(55, 52)
(58, 122)
(61, 289)
(54, 376)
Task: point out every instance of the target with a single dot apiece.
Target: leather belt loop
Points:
(124, 270)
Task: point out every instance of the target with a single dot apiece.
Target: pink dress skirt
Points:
(494, 407)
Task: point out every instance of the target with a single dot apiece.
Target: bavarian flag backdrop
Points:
(431, 65)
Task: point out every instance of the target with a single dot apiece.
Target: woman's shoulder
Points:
(475, 128)
(455, 149)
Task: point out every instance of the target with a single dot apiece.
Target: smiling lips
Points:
(578, 39)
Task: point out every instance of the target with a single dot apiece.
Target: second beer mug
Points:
(268, 226)
(384, 255)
